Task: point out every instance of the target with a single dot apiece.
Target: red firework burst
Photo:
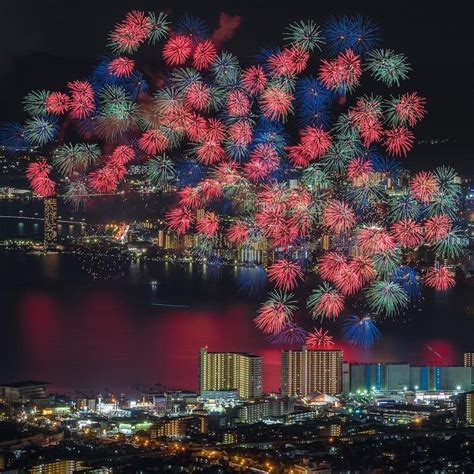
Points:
(153, 141)
(359, 170)
(338, 217)
(179, 219)
(196, 127)
(407, 232)
(410, 108)
(274, 315)
(314, 142)
(330, 265)
(132, 31)
(210, 152)
(275, 103)
(210, 189)
(82, 99)
(204, 55)
(437, 227)
(215, 130)
(331, 74)
(123, 154)
(190, 197)
(330, 304)
(372, 240)
(424, 185)
(40, 181)
(57, 103)
(439, 278)
(121, 67)
(284, 274)
(197, 96)
(238, 233)
(238, 104)
(347, 281)
(208, 224)
(254, 79)
(241, 133)
(351, 67)
(177, 50)
(263, 160)
(363, 267)
(319, 339)
(398, 141)
(103, 180)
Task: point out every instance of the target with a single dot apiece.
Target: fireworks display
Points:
(287, 154)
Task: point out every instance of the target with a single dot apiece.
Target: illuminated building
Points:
(307, 371)
(267, 408)
(179, 427)
(66, 467)
(231, 370)
(359, 378)
(50, 220)
(23, 391)
(469, 359)
(469, 408)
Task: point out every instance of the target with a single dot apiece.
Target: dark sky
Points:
(45, 43)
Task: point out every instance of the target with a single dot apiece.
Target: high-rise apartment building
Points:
(306, 371)
(50, 220)
(231, 370)
(469, 359)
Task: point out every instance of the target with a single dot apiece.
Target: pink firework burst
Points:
(398, 141)
(275, 103)
(372, 240)
(121, 67)
(254, 79)
(424, 185)
(440, 278)
(177, 50)
(437, 227)
(263, 160)
(57, 103)
(153, 141)
(338, 217)
(407, 232)
(330, 265)
(285, 274)
(331, 74)
(208, 224)
(319, 339)
(410, 108)
(204, 55)
(179, 219)
(40, 181)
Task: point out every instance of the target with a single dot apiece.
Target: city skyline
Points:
(236, 237)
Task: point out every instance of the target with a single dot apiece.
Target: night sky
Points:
(46, 43)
